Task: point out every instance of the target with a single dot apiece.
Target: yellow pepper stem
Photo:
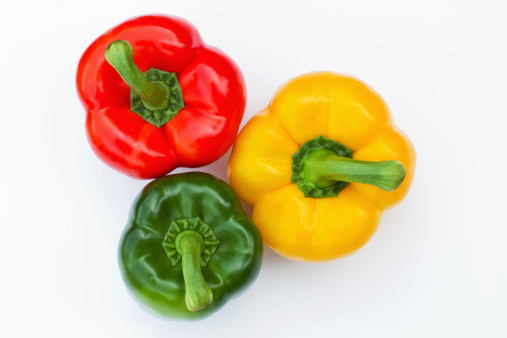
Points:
(324, 168)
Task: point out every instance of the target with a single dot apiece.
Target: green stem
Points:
(190, 246)
(323, 167)
(119, 54)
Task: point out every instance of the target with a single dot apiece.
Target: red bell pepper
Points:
(145, 122)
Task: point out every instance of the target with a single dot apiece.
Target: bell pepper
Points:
(319, 165)
(159, 98)
(188, 246)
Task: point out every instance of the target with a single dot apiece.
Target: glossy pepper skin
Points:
(213, 92)
(147, 262)
(339, 108)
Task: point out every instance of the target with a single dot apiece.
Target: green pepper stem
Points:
(190, 245)
(324, 168)
(120, 56)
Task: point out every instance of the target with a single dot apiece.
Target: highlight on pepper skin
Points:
(319, 165)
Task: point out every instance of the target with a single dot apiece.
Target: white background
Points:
(437, 267)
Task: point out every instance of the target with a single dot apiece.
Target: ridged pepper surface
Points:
(319, 165)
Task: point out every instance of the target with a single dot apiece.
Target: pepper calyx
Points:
(195, 224)
(307, 186)
(170, 107)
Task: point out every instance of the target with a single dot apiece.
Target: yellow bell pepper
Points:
(319, 165)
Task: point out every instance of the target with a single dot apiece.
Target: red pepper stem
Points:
(120, 56)
(324, 168)
(190, 245)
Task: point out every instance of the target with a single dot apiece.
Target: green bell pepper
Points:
(188, 246)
